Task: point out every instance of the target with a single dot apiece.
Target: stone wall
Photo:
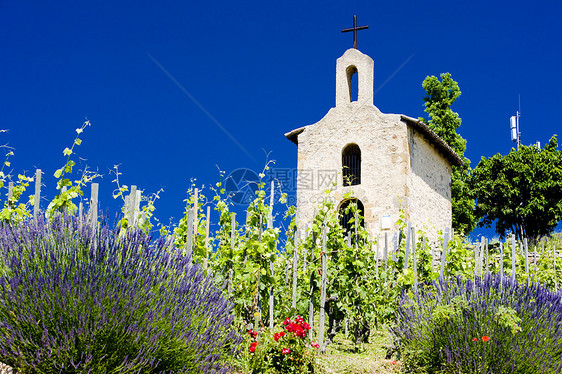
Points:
(430, 181)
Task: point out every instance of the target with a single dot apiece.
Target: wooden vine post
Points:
(487, 258)
(257, 314)
(295, 265)
(526, 257)
(195, 210)
(408, 238)
(377, 256)
(321, 322)
(311, 292)
(554, 254)
(231, 254)
(501, 262)
(271, 263)
(414, 259)
(444, 253)
(355, 224)
(208, 223)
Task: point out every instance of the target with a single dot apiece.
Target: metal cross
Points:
(354, 29)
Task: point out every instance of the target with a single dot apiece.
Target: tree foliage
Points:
(521, 190)
(440, 95)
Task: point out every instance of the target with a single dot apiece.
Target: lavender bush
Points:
(77, 300)
(482, 326)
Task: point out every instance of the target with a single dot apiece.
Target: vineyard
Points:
(252, 282)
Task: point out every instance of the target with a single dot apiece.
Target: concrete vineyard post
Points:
(444, 253)
(37, 197)
(131, 207)
(501, 261)
(10, 192)
(189, 233)
(395, 240)
(513, 254)
(93, 212)
(385, 251)
(195, 210)
(476, 246)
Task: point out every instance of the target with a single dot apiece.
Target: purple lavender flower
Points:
(76, 299)
(489, 325)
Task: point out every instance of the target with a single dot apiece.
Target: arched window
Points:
(346, 215)
(353, 82)
(351, 165)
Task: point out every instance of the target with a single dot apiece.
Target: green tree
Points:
(440, 95)
(521, 190)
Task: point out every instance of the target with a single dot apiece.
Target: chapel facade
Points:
(388, 163)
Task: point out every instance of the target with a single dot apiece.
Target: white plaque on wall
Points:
(385, 222)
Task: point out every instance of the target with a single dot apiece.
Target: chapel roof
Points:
(434, 139)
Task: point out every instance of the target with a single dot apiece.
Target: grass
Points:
(370, 359)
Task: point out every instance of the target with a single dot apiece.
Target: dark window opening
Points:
(353, 83)
(351, 165)
(347, 217)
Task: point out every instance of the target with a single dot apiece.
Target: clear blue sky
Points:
(259, 69)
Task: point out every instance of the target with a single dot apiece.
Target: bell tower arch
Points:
(354, 62)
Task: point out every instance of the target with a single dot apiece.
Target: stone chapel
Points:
(387, 163)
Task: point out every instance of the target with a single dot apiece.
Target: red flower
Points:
(252, 333)
(299, 319)
(314, 344)
(485, 338)
(279, 335)
(287, 321)
(253, 347)
(475, 339)
(286, 350)
(298, 331)
(394, 362)
(306, 326)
